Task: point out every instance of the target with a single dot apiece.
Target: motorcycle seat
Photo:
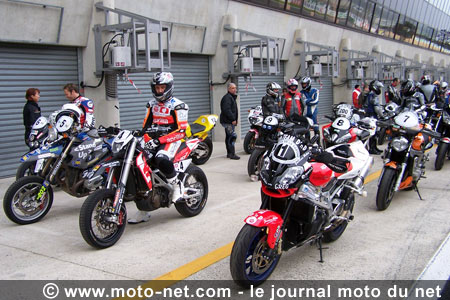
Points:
(195, 128)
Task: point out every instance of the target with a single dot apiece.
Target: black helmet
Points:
(272, 89)
(162, 78)
(375, 86)
(426, 79)
(408, 88)
(306, 83)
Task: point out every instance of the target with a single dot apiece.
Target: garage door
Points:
(22, 67)
(191, 75)
(251, 92)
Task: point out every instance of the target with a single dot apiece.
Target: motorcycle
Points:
(103, 216)
(404, 157)
(64, 162)
(443, 127)
(200, 130)
(341, 129)
(42, 133)
(303, 201)
(255, 118)
(271, 129)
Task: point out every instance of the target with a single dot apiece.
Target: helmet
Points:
(426, 79)
(375, 86)
(306, 83)
(444, 86)
(408, 88)
(162, 78)
(272, 89)
(292, 85)
(68, 114)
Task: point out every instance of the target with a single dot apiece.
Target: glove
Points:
(152, 144)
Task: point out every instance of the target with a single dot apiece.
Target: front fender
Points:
(271, 220)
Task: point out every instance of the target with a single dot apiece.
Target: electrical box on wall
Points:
(315, 70)
(359, 73)
(120, 57)
(246, 65)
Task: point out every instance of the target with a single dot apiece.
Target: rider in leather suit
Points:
(270, 103)
(167, 116)
(87, 105)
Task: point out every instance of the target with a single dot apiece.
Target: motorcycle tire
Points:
(207, 146)
(26, 169)
(21, 211)
(386, 187)
(255, 162)
(249, 142)
(248, 262)
(92, 212)
(335, 234)
(196, 179)
(441, 153)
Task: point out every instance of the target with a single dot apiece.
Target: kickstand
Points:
(417, 190)
(319, 244)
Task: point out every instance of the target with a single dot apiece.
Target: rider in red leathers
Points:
(291, 100)
(168, 116)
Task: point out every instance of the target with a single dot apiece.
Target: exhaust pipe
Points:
(359, 180)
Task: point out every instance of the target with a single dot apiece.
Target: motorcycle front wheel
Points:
(203, 152)
(249, 261)
(20, 203)
(386, 187)
(254, 164)
(196, 188)
(98, 225)
(441, 153)
(249, 142)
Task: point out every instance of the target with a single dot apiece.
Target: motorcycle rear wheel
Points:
(19, 202)
(96, 230)
(206, 146)
(248, 262)
(441, 153)
(195, 179)
(335, 234)
(249, 142)
(386, 187)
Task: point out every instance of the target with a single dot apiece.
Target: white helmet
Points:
(271, 87)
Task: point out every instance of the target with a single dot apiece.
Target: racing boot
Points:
(140, 216)
(178, 188)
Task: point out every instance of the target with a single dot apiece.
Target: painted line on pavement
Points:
(217, 255)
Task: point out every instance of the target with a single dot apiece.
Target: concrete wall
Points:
(80, 16)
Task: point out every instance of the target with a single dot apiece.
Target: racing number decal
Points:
(406, 118)
(340, 122)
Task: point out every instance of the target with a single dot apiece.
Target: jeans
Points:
(230, 138)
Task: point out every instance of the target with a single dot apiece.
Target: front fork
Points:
(118, 198)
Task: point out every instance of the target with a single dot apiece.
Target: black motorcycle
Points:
(65, 163)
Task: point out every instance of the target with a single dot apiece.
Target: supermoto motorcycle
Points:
(303, 201)
(103, 216)
(443, 127)
(200, 129)
(63, 162)
(404, 157)
(255, 118)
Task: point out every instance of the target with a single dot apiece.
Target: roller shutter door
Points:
(251, 92)
(325, 87)
(47, 68)
(191, 74)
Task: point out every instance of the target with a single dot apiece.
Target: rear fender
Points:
(271, 220)
(191, 144)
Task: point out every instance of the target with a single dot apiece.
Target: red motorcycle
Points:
(103, 216)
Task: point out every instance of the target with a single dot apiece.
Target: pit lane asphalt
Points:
(393, 244)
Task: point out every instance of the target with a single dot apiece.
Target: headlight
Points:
(116, 147)
(291, 175)
(52, 134)
(399, 144)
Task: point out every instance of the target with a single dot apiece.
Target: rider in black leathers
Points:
(271, 102)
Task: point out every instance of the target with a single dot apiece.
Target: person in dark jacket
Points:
(31, 110)
(228, 119)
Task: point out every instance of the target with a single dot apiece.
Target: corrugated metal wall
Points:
(251, 92)
(325, 87)
(22, 67)
(191, 75)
